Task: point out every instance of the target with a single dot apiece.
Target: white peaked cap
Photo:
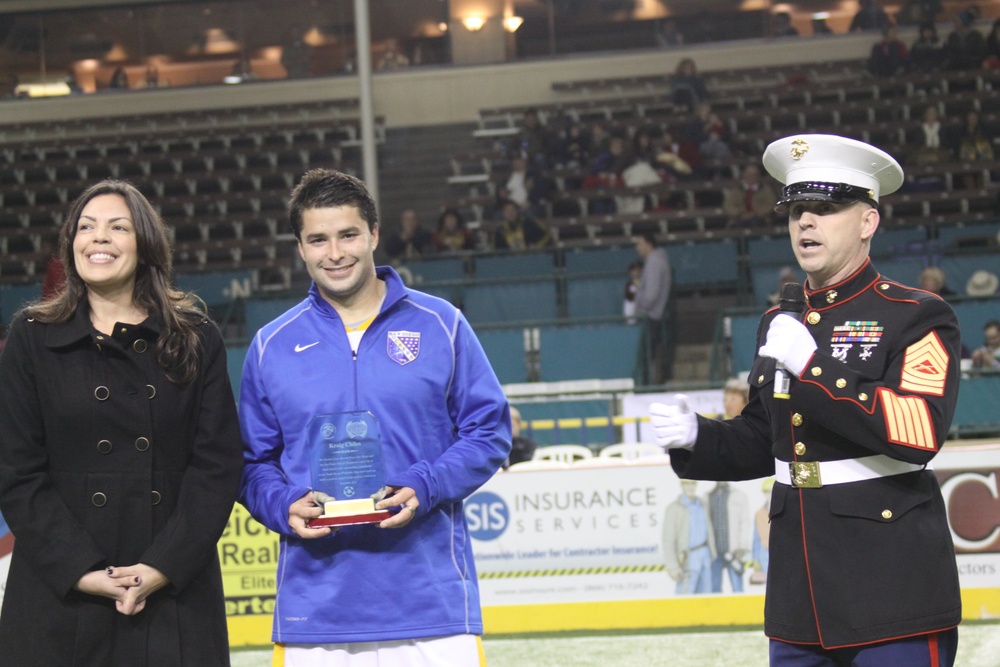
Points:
(828, 158)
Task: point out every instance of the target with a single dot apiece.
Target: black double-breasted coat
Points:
(106, 462)
(863, 561)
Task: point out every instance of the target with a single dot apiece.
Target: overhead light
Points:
(512, 23)
(473, 23)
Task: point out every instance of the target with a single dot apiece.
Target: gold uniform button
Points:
(760, 379)
(862, 396)
(104, 446)
(886, 514)
(140, 345)
(816, 371)
(142, 443)
(800, 448)
(99, 499)
(813, 317)
(841, 383)
(796, 419)
(884, 286)
(102, 393)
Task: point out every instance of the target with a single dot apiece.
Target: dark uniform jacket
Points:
(868, 560)
(104, 461)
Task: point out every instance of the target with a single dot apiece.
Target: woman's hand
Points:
(138, 583)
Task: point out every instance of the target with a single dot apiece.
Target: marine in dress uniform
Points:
(862, 566)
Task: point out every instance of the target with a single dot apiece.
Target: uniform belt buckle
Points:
(805, 474)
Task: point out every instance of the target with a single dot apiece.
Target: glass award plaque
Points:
(348, 474)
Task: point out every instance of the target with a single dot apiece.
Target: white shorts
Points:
(454, 651)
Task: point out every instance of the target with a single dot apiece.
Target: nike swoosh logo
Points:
(299, 348)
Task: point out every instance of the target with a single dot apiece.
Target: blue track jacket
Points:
(445, 429)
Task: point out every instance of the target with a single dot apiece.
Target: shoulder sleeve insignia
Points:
(907, 420)
(925, 366)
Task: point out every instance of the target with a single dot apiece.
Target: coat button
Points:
(104, 446)
(102, 393)
(760, 379)
(796, 419)
(886, 514)
(862, 396)
(841, 383)
(151, 390)
(156, 497)
(814, 317)
(142, 443)
(800, 448)
(140, 345)
(816, 371)
(99, 499)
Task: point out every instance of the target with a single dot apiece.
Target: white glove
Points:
(674, 426)
(789, 342)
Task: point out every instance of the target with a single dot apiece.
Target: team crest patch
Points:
(925, 366)
(403, 346)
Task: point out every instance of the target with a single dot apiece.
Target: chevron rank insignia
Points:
(907, 420)
(403, 346)
(925, 366)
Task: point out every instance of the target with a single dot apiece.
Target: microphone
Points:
(793, 301)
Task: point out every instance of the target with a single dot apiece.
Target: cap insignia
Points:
(799, 148)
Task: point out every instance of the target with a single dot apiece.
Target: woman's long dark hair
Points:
(177, 349)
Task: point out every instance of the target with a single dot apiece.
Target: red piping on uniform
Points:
(805, 555)
(932, 646)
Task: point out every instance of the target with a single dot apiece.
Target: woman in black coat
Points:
(120, 455)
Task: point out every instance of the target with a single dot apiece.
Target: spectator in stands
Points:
(688, 542)
(991, 56)
(888, 56)
(988, 356)
(735, 396)
(930, 141)
(392, 57)
(965, 46)
(655, 308)
(819, 26)
(152, 76)
(919, 12)
(534, 141)
(605, 173)
(781, 25)
(529, 186)
(787, 275)
(687, 87)
(926, 53)
(120, 454)
(713, 149)
(411, 241)
(751, 203)
(519, 231)
(870, 16)
(572, 148)
(667, 35)
(119, 79)
(522, 447)
(932, 279)
(981, 283)
(973, 144)
(631, 289)
(637, 175)
(295, 55)
(452, 234)
(671, 164)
